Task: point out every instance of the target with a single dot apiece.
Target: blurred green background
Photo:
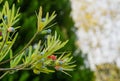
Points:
(65, 28)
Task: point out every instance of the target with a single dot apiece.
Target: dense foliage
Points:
(63, 25)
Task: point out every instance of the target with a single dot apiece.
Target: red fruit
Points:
(53, 57)
(49, 57)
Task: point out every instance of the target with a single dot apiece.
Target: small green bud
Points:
(11, 29)
(36, 71)
(49, 31)
(60, 62)
(42, 60)
(42, 53)
(43, 19)
(35, 46)
(5, 17)
(58, 68)
(44, 32)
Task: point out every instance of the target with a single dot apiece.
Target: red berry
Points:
(49, 57)
(53, 57)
